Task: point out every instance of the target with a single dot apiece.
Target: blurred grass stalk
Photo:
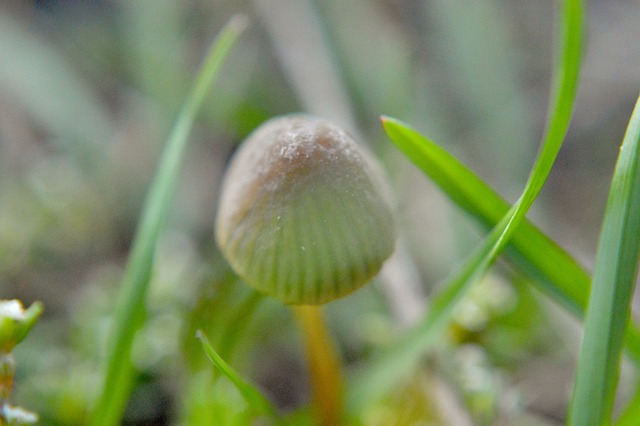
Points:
(130, 308)
(55, 98)
(614, 278)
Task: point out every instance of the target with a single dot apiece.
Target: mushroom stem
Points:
(323, 362)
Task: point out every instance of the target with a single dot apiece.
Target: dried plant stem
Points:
(325, 366)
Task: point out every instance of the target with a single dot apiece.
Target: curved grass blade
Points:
(614, 278)
(252, 395)
(530, 249)
(557, 273)
(399, 361)
(565, 88)
(130, 308)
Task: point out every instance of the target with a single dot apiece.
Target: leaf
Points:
(614, 278)
(130, 305)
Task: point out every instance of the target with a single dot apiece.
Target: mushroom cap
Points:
(305, 214)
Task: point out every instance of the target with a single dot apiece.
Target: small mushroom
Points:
(305, 214)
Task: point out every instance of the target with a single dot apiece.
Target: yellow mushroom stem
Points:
(325, 366)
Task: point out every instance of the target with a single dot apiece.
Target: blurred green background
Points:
(88, 93)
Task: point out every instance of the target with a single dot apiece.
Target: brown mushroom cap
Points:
(305, 214)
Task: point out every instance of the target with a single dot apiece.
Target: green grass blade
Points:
(537, 254)
(402, 358)
(565, 87)
(614, 277)
(130, 309)
(251, 394)
(557, 273)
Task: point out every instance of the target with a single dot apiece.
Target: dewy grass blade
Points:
(252, 395)
(407, 352)
(614, 277)
(130, 308)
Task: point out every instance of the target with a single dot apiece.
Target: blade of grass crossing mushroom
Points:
(407, 352)
(614, 277)
(130, 304)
